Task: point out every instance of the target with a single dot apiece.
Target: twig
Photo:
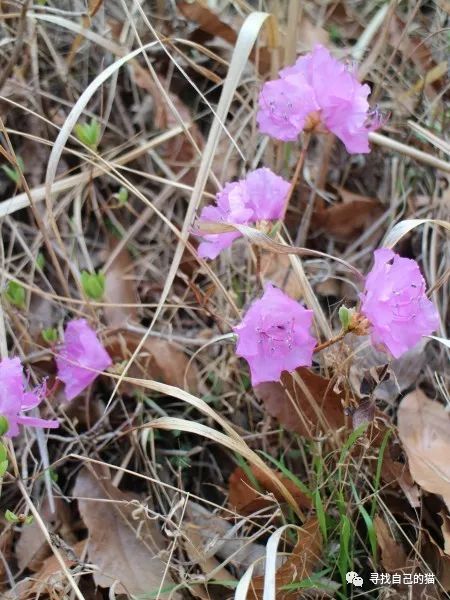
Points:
(330, 342)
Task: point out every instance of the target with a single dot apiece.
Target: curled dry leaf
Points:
(246, 500)
(424, 429)
(159, 359)
(403, 370)
(125, 549)
(298, 566)
(393, 555)
(304, 406)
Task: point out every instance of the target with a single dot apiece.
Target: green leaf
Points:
(14, 172)
(15, 293)
(321, 516)
(368, 521)
(40, 260)
(3, 452)
(344, 317)
(50, 335)
(28, 520)
(122, 196)
(10, 516)
(359, 431)
(3, 467)
(376, 484)
(93, 284)
(301, 486)
(88, 133)
(344, 543)
(4, 425)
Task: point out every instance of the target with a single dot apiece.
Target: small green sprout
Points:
(40, 260)
(345, 315)
(15, 293)
(3, 460)
(18, 519)
(14, 172)
(122, 196)
(49, 335)
(88, 133)
(93, 284)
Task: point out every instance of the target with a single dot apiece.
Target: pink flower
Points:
(14, 400)
(80, 358)
(395, 303)
(318, 88)
(258, 197)
(274, 336)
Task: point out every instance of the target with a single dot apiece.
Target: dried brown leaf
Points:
(120, 289)
(159, 359)
(32, 548)
(348, 218)
(393, 555)
(50, 578)
(211, 24)
(424, 429)
(298, 566)
(246, 500)
(125, 549)
(289, 403)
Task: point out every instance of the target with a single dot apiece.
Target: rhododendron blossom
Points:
(274, 336)
(395, 303)
(80, 358)
(318, 90)
(15, 400)
(259, 197)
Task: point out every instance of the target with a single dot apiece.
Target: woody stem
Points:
(331, 341)
(298, 168)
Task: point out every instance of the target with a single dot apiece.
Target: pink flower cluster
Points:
(274, 336)
(15, 400)
(79, 361)
(395, 303)
(259, 197)
(318, 89)
(81, 358)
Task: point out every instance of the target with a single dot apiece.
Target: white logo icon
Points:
(354, 578)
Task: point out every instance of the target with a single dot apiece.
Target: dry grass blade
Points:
(232, 443)
(298, 566)
(99, 40)
(15, 203)
(401, 229)
(422, 157)
(264, 241)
